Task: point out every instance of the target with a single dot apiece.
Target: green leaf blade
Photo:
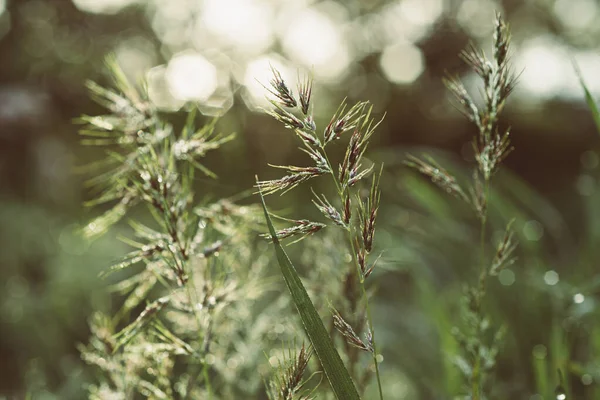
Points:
(337, 374)
(588, 98)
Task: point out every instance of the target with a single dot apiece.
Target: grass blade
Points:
(588, 98)
(334, 368)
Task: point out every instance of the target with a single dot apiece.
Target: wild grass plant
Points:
(355, 213)
(478, 346)
(189, 324)
(203, 312)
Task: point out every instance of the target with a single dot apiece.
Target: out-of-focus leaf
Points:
(588, 98)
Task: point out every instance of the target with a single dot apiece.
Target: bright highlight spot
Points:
(158, 90)
(539, 351)
(578, 298)
(506, 277)
(576, 14)
(474, 16)
(191, 77)
(589, 64)
(409, 19)
(422, 12)
(548, 71)
(258, 75)
(101, 6)
(135, 56)
(551, 278)
(314, 40)
(533, 230)
(402, 63)
(2, 6)
(545, 67)
(244, 23)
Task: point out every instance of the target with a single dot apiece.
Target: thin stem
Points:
(476, 375)
(368, 310)
(207, 380)
(350, 235)
(337, 184)
(372, 331)
(191, 293)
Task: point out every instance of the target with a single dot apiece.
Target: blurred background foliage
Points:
(216, 53)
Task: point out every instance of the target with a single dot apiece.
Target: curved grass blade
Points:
(588, 98)
(337, 374)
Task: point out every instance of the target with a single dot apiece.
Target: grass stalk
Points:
(350, 234)
(476, 376)
(356, 217)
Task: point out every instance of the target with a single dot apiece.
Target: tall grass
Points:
(203, 311)
(490, 147)
(192, 284)
(355, 214)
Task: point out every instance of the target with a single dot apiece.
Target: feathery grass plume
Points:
(134, 136)
(305, 93)
(367, 212)
(351, 337)
(280, 90)
(341, 122)
(302, 227)
(491, 146)
(329, 211)
(357, 119)
(288, 382)
(136, 327)
(438, 175)
(504, 251)
(191, 286)
(297, 176)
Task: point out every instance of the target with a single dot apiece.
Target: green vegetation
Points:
(454, 297)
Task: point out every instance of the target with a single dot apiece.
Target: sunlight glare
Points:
(158, 90)
(409, 19)
(544, 68)
(190, 76)
(576, 14)
(243, 23)
(258, 73)
(102, 6)
(402, 63)
(474, 16)
(314, 40)
(422, 12)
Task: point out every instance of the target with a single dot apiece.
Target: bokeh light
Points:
(103, 6)
(245, 24)
(190, 76)
(576, 14)
(257, 76)
(474, 14)
(402, 63)
(313, 39)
